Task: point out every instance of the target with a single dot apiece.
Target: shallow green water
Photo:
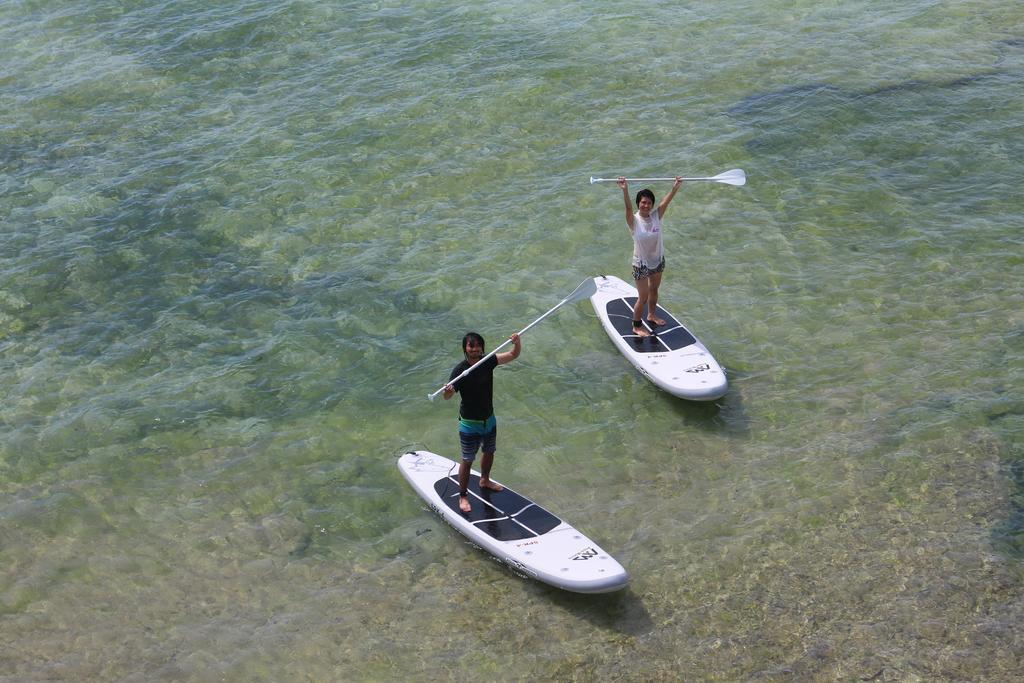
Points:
(241, 243)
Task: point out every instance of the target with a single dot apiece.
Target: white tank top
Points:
(648, 248)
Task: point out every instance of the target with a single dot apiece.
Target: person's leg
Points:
(464, 485)
(485, 473)
(643, 290)
(490, 443)
(654, 282)
(470, 443)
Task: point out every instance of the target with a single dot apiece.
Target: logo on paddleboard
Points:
(699, 368)
(584, 554)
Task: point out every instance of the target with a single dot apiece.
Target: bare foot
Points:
(641, 332)
(488, 484)
(464, 503)
(654, 322)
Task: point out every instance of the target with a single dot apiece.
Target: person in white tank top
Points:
(648, 251)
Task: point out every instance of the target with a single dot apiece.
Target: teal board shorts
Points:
(477, 435)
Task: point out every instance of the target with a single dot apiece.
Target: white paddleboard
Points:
(514, 529)
(672, 357)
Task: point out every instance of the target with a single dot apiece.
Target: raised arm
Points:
(629, 202)
(508, 356)
(663, 205)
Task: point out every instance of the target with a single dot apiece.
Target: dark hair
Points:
(644, 193)
(475, 337)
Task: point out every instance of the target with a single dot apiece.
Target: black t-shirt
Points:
(476, 389)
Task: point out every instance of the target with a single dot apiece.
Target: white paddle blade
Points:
(734, 176)
(586, 290)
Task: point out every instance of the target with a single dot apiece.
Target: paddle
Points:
(585, 290)
(735, 176)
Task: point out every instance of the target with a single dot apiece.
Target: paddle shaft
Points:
(586, 288)
(734, 176)
(645, 180)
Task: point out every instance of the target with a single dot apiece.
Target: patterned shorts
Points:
(477, 435)
(642, 271)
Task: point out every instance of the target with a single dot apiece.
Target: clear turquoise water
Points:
(242, 241)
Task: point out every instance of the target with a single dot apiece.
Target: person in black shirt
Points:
(478, 428)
